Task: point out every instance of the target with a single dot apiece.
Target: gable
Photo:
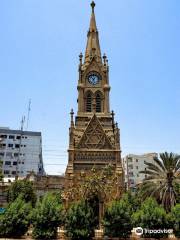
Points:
(94, 136)
(93, 66)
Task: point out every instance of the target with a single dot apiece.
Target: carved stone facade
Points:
(94, 137)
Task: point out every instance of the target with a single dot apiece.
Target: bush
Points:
(23, 188)
(151, 216)
(46, 217)
(80, 221)
(174, 218)
(117, 218)
(14, 222)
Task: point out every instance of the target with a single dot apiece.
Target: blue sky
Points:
(40, 41)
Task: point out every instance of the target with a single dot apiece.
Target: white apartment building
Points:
(21, 152)
(132, 165)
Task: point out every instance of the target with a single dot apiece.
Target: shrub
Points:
(174, 218)
(23, 188)
(151, 216)
(80, 221)
(15, 220)
(46, 217)
(117, 218)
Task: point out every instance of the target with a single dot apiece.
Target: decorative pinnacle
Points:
(72, 114)
(80, 58)
(104, 58)
(113, 125)
(93, 5)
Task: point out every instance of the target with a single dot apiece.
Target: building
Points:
(42, 184)
(94, 137)
(21, 152)
(133, 164)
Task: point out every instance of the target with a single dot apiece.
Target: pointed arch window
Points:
(98, 102)
(89, 102)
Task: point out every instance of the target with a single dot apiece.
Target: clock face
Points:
(93, 78)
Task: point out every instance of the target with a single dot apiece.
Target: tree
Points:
(80, 221)
(174, 218)
(15, 220)
(46, 217)
(161, 179)
(92, 184)
(117, 218)
(23, 188)
(151, 216)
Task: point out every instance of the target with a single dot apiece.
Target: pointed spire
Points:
(93, 46)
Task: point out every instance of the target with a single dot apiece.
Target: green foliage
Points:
(80, 221)
(174, 218)
(162, 177)
(23, 188)
(117, 218)
(177, 190)
(46, 217)
(14, 221)
(150, 216)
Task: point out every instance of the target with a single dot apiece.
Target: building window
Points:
(6, 171)
(3, 136)
(16, 154)
(18, 137)
(136, 167)
(13, 172)
(11, 136)
(7, 162)
(129, 159)
(130, 166)
(1, 154)
(98, 102)
(8, 154)
(17, 145)
(3, 145)
(10, 145)
(136, 160)
(131, 174)
(131, 181)
(89, 103)
(14, 163)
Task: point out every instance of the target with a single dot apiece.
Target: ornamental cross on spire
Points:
(93, 5)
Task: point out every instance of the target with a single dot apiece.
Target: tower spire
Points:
(93, 46)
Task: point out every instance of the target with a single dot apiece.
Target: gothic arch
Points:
(88, 101)
(99, 101)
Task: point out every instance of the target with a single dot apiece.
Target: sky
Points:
(40, 41)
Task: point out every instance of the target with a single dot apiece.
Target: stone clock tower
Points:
(94, 137)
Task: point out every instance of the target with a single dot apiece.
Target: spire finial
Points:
(93, 39)
(93, 5)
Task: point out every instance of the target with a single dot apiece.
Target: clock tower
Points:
(94, 137)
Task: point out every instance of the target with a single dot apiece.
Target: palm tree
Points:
(162, 176)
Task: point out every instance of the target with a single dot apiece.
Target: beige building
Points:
(132, 165)
(94, 137)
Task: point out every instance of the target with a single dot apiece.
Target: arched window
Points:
(98, 102)
(89, 103)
